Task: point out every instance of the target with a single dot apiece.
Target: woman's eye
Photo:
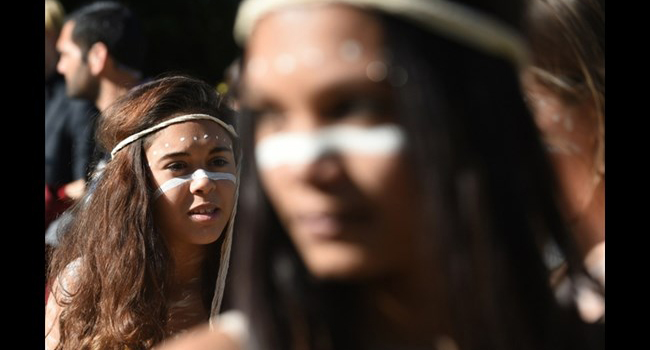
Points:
(219, 162)
(358, 107)
(268, 118)
(176, 166)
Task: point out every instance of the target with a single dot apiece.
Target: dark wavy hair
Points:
(113, 24)
(121, 283)
(490, 192)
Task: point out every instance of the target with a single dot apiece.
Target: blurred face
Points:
(80, 83)
(570, 133)
(329, 153)
(193, 168)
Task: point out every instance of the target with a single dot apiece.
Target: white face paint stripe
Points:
(198, 174)
(303, 147)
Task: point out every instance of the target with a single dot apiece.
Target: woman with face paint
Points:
(147, 254)
(565, 87)
(396, 194)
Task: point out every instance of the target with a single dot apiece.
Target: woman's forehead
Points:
(306, 48)
(315, 28)
(198, 127)
(183, 135)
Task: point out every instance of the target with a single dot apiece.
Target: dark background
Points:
(184, 36)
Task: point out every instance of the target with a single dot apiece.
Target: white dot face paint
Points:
(562, 146)
(350, 51)
(570, 132)
(177, 156)
(305, 147)
(194, 182)
(285, 64)
(376, 71)
(358, 179)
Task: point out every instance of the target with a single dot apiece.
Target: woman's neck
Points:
(187, 264)
(185, 302)
(403, 311)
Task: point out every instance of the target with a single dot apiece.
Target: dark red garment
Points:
(56, 202)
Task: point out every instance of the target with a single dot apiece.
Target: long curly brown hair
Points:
(119, 297)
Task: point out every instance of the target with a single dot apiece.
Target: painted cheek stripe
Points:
(306, 147)
(198, 174)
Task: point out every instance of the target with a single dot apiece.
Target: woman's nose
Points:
(201, 183)
(324, 170)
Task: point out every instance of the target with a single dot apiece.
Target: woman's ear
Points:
(97, 58)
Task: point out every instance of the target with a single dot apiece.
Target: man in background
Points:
(69, 126)
(102, 49)
(102, 52)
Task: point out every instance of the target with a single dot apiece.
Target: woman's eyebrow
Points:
(219, 149)
(174, 155)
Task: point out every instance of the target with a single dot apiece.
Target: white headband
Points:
(456, 21)
(166, 123)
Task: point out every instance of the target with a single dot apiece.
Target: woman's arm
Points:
(201, 338)
(53, 311)
(62, 288)
(229, 332)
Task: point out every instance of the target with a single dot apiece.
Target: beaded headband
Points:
(166, 123)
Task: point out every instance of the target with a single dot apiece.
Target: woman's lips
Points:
(325, 225)
(204, 214)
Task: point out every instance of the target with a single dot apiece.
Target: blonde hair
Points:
(54, 14)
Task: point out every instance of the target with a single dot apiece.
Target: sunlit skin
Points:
(194, 214)
(172, 209)
(570, 131)
(80, 83)
(350, 215)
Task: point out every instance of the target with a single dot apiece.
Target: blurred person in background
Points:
(565, 87)
(230, 84)
(69, 127)
(395, 192)
(102, 47)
